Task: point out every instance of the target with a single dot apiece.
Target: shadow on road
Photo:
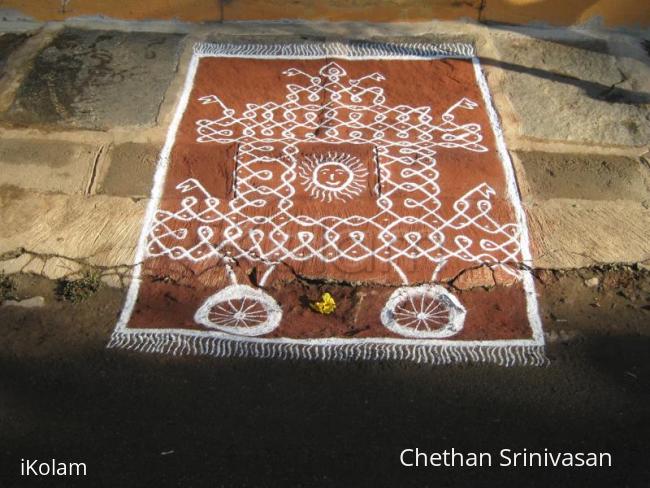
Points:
(146, 420)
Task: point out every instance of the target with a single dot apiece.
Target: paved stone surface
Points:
(55, 166)
(8, 43)
(100, 230)
(570, 92)
(130, 170)
(578, 233)
(97, 79)
(590, 177)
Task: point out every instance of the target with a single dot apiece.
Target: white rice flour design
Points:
(412, 220)
(425, 312)
(241, 310)
(332, 176)
(405, 139)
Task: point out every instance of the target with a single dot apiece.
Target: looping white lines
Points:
(409, 222)
(332, 176)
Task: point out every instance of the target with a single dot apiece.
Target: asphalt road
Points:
(147, 420)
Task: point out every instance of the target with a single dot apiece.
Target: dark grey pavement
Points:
(246, 422)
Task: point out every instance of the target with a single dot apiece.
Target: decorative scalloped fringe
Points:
(179, 344)
(346, 49)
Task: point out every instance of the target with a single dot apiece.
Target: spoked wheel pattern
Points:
(240, 310)
(425, 312)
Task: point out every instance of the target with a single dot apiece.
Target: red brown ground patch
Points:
(379, 172)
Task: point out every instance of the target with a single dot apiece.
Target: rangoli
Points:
(377, 165)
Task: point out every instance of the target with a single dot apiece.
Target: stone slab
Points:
(130, 170)
(569, 91)
(98, 230)
(97, 80)
(55, 166)
(589, 177)
(578, 233)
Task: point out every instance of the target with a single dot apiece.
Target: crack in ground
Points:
(124, 272)
(121, 271)
(612, 94)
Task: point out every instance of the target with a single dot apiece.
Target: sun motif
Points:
(332, 176)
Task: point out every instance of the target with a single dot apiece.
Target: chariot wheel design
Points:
(240, 310)
(424, 312)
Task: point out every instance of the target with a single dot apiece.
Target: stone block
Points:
(130, 170)
(589, 177)
(99, 230)
(97, 80)
(579, 233)
(569, 91)
(55, 166)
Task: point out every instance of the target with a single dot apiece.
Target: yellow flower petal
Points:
(326, 305)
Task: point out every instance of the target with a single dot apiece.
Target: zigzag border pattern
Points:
(411, 50)
(178, 344)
